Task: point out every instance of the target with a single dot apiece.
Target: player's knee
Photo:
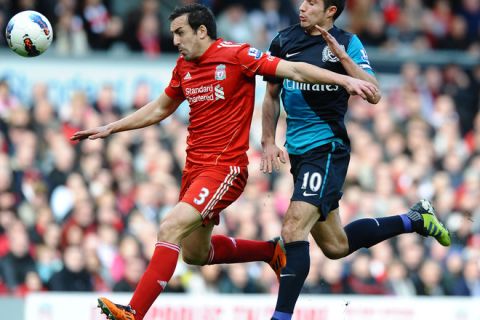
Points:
(292, 230)
(292, 233)
(286, 233)
(169, 231)
(195, 259)
(335, 249)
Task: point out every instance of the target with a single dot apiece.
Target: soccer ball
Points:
(29, 33)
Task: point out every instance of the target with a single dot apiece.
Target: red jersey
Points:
(220, 88)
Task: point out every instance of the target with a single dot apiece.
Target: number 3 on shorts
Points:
(201, 196)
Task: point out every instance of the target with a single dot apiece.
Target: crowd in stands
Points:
(83, 216)
(143, 26)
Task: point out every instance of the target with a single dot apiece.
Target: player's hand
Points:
(332, 43)
(364, 89)
(92, 134)
(271, 157)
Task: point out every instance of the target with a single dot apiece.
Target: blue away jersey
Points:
(315, 112)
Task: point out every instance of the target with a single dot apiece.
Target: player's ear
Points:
(202, 32)
(331, 11)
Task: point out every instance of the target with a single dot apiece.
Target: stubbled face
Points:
(312, 12)
(185, 38)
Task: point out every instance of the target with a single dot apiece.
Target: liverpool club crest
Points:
(220, 73)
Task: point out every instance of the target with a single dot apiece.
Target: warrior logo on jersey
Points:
(327, 54)
(220, 73)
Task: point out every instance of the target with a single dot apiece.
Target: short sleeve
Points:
(254, 61)
(174, 88)
(357, 52)
(274, 50)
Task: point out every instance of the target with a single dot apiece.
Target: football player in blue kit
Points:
(319, 150)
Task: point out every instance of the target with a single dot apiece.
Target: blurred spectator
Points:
(332, 279)
(70, 35)
(237, 280)
(142, 95)
(144, 32)
(430, 280)
(438, 21)
(373, 34)
(48, 262)
(468, 284)
(461, 87)
(360, 279)
(102, 28)
(106, 104)
(470, 10)
(456, 37)
(134, 268)
(233, 25)
(175, 285)
(3, 20)
(207, 280)
(7, 193)
(267, 21)
(61, 198)
(75, 112)
(74, 275)
(32, 284)
(358, 14)
(18, 262)
(80, 223)
(8, 101)
(100, 279)
(398, 282)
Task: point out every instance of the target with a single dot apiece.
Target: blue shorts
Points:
(319, 175)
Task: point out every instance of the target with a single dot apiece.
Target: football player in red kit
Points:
(217, 78)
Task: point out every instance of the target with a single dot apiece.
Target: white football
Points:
(29, 33)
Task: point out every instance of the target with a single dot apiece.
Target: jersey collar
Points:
(209, 51)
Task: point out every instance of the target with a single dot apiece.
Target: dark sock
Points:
(292, 278)
(364, 233)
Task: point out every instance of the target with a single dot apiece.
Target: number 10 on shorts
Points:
(312, 180)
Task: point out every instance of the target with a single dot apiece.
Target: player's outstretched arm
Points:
(350, 66)
(270, 113)
(308, 73)
(153, 112)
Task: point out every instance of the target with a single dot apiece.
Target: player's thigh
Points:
(210, 189)
(330, 236)
(319, 175)
(196, 246)
(298, 221)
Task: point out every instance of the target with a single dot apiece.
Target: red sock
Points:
(229, 250)
(158, 273)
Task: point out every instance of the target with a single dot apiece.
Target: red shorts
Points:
(210, 189)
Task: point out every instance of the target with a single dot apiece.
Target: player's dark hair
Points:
(340, 4)
(197, 15)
